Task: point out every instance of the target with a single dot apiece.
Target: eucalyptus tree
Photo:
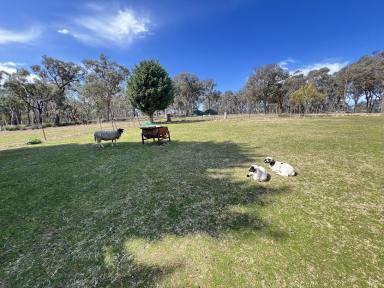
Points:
(379, 71)
(227, 99)
(266, 84)
(11, 107)
(104, 80)
(60, 75)
(307, 97)
(189, 90)
(93, 92)
(366, 79)
(292, 84)
(233, 102)
(211, 95)
(328, 85)
(344, 89)
(35, 93)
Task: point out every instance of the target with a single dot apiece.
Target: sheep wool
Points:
(280, 168)
(107, 135)
(258, 173)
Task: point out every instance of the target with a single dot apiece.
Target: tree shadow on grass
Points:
(96, 199)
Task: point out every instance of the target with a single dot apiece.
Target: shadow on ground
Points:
(67, 206)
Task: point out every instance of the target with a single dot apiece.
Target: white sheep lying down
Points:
(280, 168)
(258, 173)
(107, 135)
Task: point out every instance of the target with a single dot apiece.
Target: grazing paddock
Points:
(184, 214)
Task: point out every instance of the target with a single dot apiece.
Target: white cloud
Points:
(120, 27)
(332, 66)
(11, 64)
(284, 63)
(63, 31)
(11, 67)
(32, 77)
(8, 67)
(25, 36)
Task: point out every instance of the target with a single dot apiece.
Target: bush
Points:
(210, 112)
(63, 124)
(15, 127)
(38, 126)
(34, 141)
(46, 125)
(198, 112)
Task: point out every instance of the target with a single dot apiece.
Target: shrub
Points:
(198, 112)
(45, 125)
(15, 127)
(34, 141)
(210, 112)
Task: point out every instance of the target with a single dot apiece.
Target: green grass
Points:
(184, 214)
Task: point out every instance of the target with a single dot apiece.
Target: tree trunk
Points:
(18, 117)
(354, 106)
(280, 107)
(367, 103)
(13, 118)
(265, 106)
(40, 115)
(59, 106)
(29, 117)
(57, 119)
(108, 110)
(151, 118)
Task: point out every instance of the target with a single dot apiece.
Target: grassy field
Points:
(185, 215)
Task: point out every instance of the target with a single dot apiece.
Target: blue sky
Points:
(223, 40)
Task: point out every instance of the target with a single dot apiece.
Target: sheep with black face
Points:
(107, 135)
(258, 173)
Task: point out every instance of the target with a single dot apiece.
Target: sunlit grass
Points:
(184, 214)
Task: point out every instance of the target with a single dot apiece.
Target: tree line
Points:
(57, 92)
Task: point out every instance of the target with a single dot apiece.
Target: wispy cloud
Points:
(63, 31)
(284, 63)
(25, 36)
(120, 27)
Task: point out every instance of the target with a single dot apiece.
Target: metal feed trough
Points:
(155, 132)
